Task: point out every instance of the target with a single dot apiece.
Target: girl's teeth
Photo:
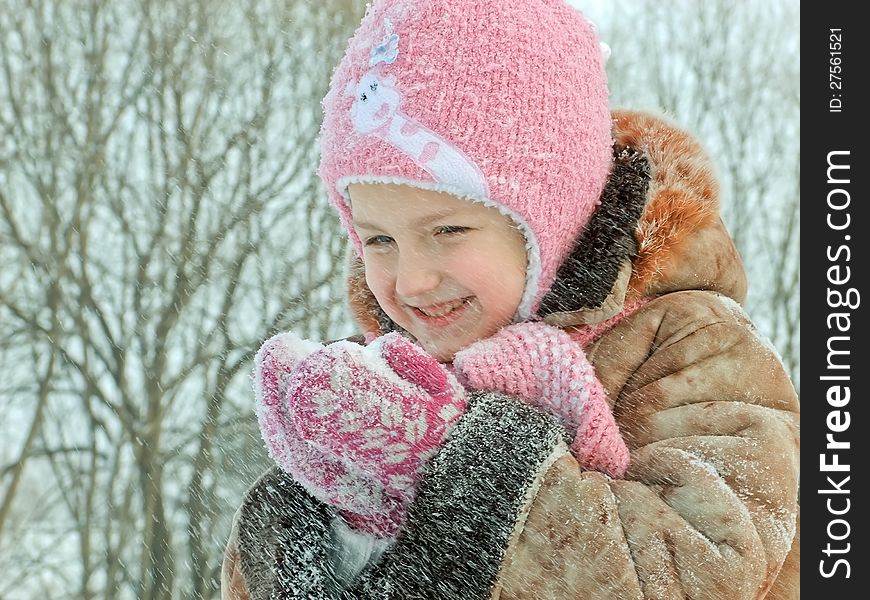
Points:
(444, 311)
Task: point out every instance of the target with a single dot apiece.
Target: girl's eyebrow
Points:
(421, 222)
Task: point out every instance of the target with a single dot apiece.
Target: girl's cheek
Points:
(378, 276)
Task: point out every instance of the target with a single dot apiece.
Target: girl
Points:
(523, 260)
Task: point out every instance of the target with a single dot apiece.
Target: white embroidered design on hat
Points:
(376, 111)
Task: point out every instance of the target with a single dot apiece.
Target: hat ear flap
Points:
(594, 275)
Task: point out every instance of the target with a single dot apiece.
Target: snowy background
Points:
(160, 217)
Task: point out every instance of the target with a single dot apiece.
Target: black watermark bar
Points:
(835, 361)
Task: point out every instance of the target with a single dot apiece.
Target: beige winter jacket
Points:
(708, 508)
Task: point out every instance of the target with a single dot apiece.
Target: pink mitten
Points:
(361, 498)
(383, 409)
(543, 366)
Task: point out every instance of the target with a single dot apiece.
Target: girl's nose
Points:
(417, 274)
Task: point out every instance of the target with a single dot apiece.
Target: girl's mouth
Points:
(442, 314)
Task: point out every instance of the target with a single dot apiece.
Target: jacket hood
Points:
(657, 230)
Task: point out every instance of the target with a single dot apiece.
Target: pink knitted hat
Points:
(498, 101)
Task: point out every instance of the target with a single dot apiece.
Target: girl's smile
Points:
(443, 314)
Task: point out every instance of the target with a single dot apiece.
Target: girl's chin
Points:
(442, 352)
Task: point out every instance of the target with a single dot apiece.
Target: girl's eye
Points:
(451, 229)
(378, 240)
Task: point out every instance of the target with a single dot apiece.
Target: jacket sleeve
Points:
(471, 497)
(456, 534)
(707, 508)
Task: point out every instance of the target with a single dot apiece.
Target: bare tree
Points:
(160, 217)
(729, 72)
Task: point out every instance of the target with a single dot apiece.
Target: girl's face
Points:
(447, 270)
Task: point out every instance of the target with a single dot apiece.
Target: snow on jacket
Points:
(708, 508)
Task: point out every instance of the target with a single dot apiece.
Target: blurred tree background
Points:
(160, 216)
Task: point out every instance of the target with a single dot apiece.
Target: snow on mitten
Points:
(384, 408)
(327, 478)
(543, 366)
